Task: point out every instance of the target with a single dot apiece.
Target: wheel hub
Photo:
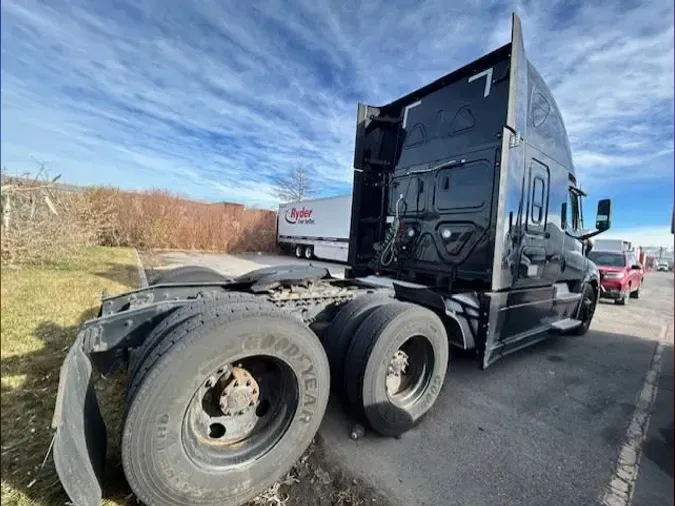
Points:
(240, 394)
(398, 364)
(397, 368)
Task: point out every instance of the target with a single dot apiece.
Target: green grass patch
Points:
(41, 310)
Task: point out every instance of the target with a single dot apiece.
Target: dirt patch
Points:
(317, 480)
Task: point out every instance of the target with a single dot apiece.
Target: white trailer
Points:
(612, 245)
(316, 228)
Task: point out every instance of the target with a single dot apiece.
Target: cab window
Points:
(573, 212)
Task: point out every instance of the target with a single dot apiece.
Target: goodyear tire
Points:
(189, 274)
(137, 357)
(388, 403)
(338, 336)
(171, 453)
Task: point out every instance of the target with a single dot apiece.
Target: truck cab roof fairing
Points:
(532, 111)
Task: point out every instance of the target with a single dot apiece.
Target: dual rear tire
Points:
(226, 393)
(223, 400)
(388, 361)
(304, 251)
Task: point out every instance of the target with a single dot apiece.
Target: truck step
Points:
(566, 324)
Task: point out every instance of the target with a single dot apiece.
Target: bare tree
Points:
(298, 184)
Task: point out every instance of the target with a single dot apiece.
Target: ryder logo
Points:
(300, 216)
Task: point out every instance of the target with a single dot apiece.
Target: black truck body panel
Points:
(478, 169)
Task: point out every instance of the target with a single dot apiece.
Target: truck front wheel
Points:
(395, 366)
(228, 403)
(587, 307)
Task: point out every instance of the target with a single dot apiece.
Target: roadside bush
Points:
(43, 223)
(160, 220)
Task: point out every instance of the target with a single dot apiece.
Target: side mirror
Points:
(603, 217)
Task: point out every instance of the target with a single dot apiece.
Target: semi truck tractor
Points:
(316, 228)
(465, 231)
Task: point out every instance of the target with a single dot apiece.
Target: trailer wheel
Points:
(299, 250)
(228, 403)
(395, 366)
(309, 252)
(195, 309)
(339, 334)
(189, 274)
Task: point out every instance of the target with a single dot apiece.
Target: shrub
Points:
(45, 222)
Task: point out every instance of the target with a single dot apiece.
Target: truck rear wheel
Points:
(395, 366)
(309, 252)
(227, 403)
(189, 274)
(339, 335)
(169, 323)
(299, 250)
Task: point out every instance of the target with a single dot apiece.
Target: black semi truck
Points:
(466, 231)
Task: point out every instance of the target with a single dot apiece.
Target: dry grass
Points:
(41, 309)
(160, 220)
(42, 225)
(48, 223)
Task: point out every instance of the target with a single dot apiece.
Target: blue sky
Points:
(213, 98)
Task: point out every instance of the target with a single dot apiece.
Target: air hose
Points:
(389, 249)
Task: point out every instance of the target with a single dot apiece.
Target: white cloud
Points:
(214, 98)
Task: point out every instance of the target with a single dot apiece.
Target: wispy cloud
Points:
(213, 98)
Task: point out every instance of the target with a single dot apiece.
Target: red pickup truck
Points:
(621, 275)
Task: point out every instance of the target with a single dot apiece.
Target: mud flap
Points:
(80, 442)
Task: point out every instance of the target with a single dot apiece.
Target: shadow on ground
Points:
(554, 413)
(26, 412)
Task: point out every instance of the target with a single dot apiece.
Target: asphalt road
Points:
(542, 426)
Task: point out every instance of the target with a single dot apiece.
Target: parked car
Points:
(621, 275)
(662, 266)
